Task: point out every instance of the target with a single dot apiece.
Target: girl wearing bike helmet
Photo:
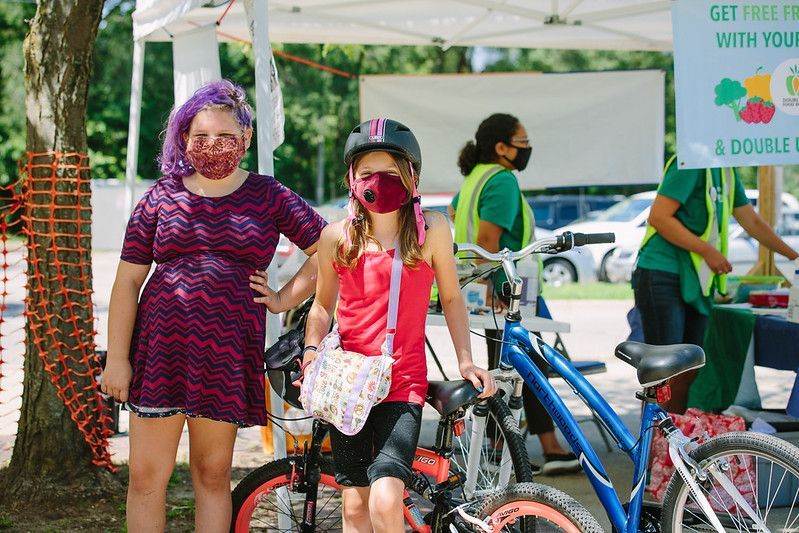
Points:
(383, 161)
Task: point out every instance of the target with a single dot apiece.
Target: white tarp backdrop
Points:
(195, 60)
(587, 128)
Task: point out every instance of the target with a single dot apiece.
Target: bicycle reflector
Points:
(460, 427)
(664, 393)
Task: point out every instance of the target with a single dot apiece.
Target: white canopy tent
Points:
(598, 24)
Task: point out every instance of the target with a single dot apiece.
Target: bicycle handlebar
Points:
(581, 239)
(550, 245)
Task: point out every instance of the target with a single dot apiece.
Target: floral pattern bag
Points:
(341, 387)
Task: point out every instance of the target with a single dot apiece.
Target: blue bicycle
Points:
(734, 482)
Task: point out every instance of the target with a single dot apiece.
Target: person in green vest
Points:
(683, 258)
(491, 211)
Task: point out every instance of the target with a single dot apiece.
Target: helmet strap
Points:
(421, 226)
(352, 220)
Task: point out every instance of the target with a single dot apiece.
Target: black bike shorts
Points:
(385, 447)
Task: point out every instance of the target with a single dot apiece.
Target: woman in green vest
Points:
(490, 211)
(683, 260)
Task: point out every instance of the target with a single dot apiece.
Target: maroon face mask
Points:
(380, 192)
(215, 158)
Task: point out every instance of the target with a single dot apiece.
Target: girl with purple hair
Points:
(190, 350)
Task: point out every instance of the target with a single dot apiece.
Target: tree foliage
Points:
(320, 106)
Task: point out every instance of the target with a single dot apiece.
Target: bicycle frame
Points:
(433, 463)
(519, 345)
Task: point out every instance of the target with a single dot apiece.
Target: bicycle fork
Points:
(680, 447)
(478, 432)
(313, 474)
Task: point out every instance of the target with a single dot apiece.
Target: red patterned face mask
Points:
(215, 157)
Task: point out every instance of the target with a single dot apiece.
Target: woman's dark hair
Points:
(499, 127)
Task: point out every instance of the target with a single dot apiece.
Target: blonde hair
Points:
(360, 230)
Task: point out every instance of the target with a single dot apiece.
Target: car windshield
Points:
(624, 211)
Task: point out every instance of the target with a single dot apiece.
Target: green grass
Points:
(5, 521)
(589, 291)
(181, 509)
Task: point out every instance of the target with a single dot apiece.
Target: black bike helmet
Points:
(384, 135)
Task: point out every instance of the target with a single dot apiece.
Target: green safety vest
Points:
(711, 235)
(467, 216)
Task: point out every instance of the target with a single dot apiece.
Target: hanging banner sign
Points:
(736, 74)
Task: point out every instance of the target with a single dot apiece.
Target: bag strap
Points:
(393, 299)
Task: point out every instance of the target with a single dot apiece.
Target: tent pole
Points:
(769, 183)
(134, 124)
(259, 13)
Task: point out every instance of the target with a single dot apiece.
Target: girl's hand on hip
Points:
(482, 379)
(116, 379)
(259, 282)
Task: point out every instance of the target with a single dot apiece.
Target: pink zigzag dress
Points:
(198, 343)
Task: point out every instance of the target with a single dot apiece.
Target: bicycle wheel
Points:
(491, 451)
(761, 470)
(528, 507)
(258, 505)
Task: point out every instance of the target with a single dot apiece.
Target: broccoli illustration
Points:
(729, 92)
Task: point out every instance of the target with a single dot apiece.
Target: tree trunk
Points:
(51, 457)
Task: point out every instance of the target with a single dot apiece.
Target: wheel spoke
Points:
(749, 479)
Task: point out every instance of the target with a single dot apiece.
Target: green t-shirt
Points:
(500, 203)
(688, 188)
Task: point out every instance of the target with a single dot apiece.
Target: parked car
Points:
(568, 267)
(554, 211)
(628, 218)
(742, 252)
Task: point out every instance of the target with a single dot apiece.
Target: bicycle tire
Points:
(507, 426)
(254, 489)
(534, 507)
(760, 446)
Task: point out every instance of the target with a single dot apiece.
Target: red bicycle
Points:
(299, 493)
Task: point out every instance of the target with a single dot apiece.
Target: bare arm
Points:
(121, 320)
(488, 235)
(440, 239)
(756, 227)
(451, 212)
(663, 218)
(295, 291)
(321, 314)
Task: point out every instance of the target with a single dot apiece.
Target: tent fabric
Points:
(576, 24)
(585, 128)
(195, 59)
(153, 15)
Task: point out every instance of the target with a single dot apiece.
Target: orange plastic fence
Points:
(46, 202)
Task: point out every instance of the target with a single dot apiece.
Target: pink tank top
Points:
(362, 316)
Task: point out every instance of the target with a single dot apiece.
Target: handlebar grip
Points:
(581, 239)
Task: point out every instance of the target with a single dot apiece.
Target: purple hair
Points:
(220, 93)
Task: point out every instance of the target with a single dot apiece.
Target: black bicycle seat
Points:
(656, 364)
(446, 397)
